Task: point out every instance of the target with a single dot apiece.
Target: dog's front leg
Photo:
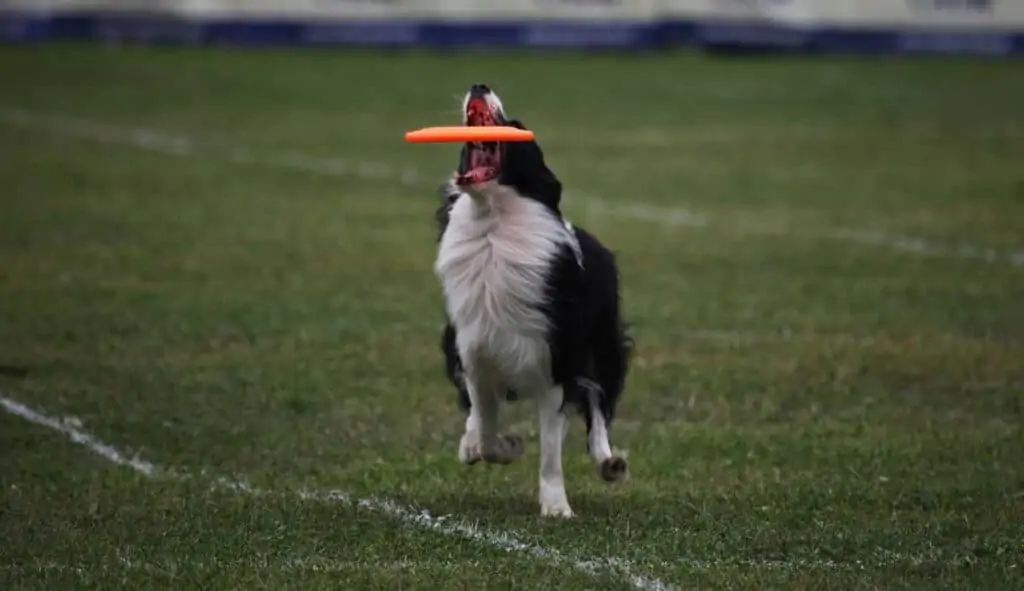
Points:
(553, 424)
(482, 441)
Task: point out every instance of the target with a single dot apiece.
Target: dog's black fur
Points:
(590, 349)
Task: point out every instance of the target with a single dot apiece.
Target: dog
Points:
(532, 306)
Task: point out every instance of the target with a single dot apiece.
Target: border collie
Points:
(532, 306)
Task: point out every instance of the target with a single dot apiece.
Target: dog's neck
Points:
(492, 197)
(486, 197)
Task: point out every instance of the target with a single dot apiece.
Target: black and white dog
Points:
(532, 306)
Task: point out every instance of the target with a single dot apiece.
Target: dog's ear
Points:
(524, 168)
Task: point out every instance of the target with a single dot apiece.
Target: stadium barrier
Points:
(979, 27)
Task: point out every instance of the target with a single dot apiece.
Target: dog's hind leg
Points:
(611, 351)
(482, 441)
(611, 466)
(553, 425)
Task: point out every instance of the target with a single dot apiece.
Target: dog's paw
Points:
(502, 450)
(556, 510)
(469, 448)
(613, 469)
(553, 502)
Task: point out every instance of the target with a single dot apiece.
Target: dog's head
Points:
(519, 165)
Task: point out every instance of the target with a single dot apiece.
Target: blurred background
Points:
(993, 27)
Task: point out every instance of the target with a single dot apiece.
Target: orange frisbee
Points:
(464, 133)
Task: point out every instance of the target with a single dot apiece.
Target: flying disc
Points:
(464, 133)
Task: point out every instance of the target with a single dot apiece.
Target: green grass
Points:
(805, 410)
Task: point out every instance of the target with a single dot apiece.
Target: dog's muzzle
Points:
(481, 161)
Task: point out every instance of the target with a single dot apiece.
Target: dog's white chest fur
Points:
(493, 262)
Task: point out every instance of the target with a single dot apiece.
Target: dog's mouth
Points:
(481, 161)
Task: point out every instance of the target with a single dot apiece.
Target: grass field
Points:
(220, 262)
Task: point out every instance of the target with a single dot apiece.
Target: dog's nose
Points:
(479, 90)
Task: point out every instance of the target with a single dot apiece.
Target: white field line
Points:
(154, 141)
(446, 525)
(69, 427)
